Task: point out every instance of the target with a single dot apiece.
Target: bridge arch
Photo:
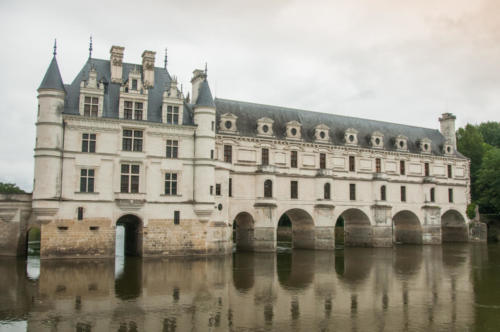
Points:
(407, 228)
(454, 227)
(243, 231)
(132, 234)
(302, 227)
(356, 228)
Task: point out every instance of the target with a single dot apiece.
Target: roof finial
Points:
(206, 69)
(55, 47)
(166, 59)
(90, 47)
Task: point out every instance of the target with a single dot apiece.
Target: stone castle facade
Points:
(123, 145)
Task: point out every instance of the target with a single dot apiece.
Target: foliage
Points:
(10, 188)
(491, 133)
(471, 211)
(488, 182)
(470, 143)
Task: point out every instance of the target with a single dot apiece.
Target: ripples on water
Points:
(408, 288)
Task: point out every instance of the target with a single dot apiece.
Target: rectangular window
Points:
(217, 189)
(211, 190)
(403, 194)
(172, 148)
(294, 189)
(80, 213)
(352, 164)
(433, 195)
(213, 125)
(128, 109)
(322, 160)
(265, 156)
(211, 154)
(132, 140)
(173, 114)
(450, 195)
(91, 106)
(228, 153)
(129, 178)
(426, 169)
(88, 142)
(134, 84)
(352, 191)
(230, 189)
(378, 165)
(177, 217)
(402, 170)
(170, 183)
(138, 111)
(87, 180)
(293, 159)
(450, 174)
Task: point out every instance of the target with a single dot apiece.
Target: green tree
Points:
(488, 182)
(10, 188)
(490, 132)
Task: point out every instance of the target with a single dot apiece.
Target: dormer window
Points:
(293, 130)
(91, 106)
(228, 123)
(401, 143)
(321, 133)
(133, 110)
(448, 148)
(134, 84)
(425, 145)
(351, 136)
(265, 127)
(91, 96)
(172, 114)
(377, 140)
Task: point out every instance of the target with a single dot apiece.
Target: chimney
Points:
(447, 121)
(198, 77)
(116, 61)
(148, 68)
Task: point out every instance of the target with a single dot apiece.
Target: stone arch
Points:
(243, 231)
(295, 269)
(33, 240)
(357, 228)
(407, 228)
(133, 234)
(454, 227)
(243, 271)
(302, 228)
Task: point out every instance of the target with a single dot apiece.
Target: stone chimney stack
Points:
(447, 121)
(198, 77)
(148, 69)
(116, 61)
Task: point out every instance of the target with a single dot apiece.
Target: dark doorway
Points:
(131, 243)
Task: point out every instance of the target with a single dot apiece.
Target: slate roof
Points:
(52, 78)
(249, 113)
(204, 95)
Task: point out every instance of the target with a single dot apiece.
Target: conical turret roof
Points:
(205, 96)
(52, 78)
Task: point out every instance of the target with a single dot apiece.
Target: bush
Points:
(471, 211)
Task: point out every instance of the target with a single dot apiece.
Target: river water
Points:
(406, 288)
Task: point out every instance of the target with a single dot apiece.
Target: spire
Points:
(90, 47)
(206, 71)
(205, 96)
(52, 78)
(166, 60)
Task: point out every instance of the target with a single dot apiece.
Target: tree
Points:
(488, 182)
(471, 144)
(491, 133)
(10, 188)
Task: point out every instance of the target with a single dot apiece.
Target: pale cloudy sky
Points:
(393, 60)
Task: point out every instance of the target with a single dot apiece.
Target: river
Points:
(406, 288)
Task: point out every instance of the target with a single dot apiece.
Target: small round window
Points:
(377, 141)
(351, 138)
(322, 134)
(219, 207)
(265, 128)
(293, 131)
(401, 143)
(426, 147)
(228, 124)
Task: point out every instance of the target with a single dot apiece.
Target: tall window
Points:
(88, 142)
(230, 188)
(86, 180)
(294, 189)
(134, 84)
(138, 111)
(172, 147)
(265, 156)
(433, 195)
(293, 159)
(129, 178)
(378, 165)
(133, 110)
(91, 106)
(403, 194)
(402, 169)
(322, 160)
(132, 140)
(170, 183)
(173, 114)
(177, 217)
(352, 166)
(228, 153)
(218, 189)
(268, 188)
(326, 191)
(450, 195)
(426, 169)
(450, 174)
(383, 193)
(352, 191)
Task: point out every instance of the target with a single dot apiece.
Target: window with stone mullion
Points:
(170, 183)
(91, 106)
(87, 180)
(172, 148)
(173, 114)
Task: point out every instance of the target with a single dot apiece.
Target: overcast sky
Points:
(392, 60)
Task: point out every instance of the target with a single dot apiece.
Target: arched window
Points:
(382, 193)
(326, 191)
(268, 188)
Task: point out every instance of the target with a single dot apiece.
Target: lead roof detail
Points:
(52, 78)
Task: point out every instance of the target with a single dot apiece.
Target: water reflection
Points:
(406, 288)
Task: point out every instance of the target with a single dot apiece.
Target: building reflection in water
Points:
(405, 288)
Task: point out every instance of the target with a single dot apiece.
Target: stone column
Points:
(324, 232)
(431, 226)
(264, 230)
(382, 230)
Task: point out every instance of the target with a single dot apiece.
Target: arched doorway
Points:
(32, 249)
(339, 233)
(243, 234)
(129, 236)
(300, 225)
(407, 228)
(357, 228)
(453, 227)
